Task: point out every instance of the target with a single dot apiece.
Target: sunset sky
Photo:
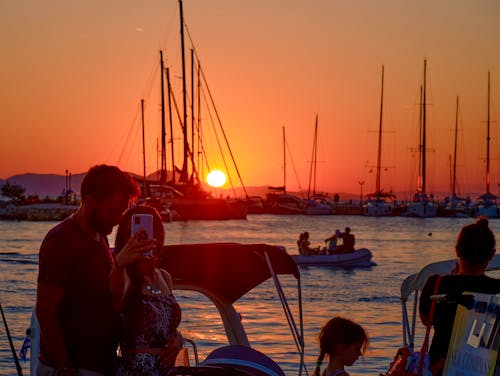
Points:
(73, 74)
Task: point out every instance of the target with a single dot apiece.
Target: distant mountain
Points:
(45, 184)
(52, 185)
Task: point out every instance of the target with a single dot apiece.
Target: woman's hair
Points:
(339, 331)
(476, 242)
(123, 234)
(301, 236)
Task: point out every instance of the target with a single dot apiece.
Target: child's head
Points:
(476, 242)
(339, 335)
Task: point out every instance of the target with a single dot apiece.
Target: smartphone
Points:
(143, 222)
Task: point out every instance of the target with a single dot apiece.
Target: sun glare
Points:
(216, 178)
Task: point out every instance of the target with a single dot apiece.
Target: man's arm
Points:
(119, 283)
(48, 300)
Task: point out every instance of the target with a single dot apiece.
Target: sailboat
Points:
(379, 203)
(156, 193)
(316, 204)
(455, 206)
(278, 201)
(189, 200)
(487, 204)
(421, 204)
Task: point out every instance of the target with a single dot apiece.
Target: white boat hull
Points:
(490, 211)
(359, 258)
(378, 209)
(421, 209)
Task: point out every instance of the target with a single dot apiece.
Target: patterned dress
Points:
(149, 328)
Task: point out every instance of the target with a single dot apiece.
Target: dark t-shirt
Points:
(444, 314)
(348, 241)
(71, 259)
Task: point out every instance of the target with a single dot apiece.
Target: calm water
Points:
(370, 296)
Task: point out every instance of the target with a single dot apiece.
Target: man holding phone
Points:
(78, 326)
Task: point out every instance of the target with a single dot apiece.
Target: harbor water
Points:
(369, 296)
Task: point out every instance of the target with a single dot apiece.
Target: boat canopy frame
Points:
(224, 272)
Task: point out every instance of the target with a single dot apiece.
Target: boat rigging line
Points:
(294, 169)
(7, 331)
(216, 111)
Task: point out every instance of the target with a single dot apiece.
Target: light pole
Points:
(361, 182)
(66, 191)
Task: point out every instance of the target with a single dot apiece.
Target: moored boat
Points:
(189, 199)
(280, 202)
(487, 204)
(316, 204)
(317, 207)
(380, 203)
(422, 204)
(455, 206)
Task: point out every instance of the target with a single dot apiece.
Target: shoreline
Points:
(37, 212)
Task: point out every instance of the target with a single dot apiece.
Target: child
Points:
(343, 341)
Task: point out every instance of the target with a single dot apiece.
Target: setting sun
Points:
(216, 178)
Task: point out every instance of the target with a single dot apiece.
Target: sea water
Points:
(369, 296)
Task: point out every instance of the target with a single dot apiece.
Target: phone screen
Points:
(143, 222)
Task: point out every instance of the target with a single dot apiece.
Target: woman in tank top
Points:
(142, 294)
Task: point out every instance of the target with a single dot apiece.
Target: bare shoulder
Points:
(168, 278)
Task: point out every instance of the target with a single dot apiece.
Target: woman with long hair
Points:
(142, 294)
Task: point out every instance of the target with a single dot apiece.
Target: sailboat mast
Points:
(424, 130)
(198, 121)
(379, 154)
(143, 152)
(454, 176)
(312, 168)
(488, 138)
(284, 161)
(419, 177)
(192, 111)
(184, 172)
(171, 124)
(163, 168)
(315, 154)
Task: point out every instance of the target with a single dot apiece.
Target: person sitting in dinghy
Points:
(332, 242)
(348, 241)
(305, 245)
(142, 294)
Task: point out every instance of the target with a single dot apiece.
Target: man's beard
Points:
(98, 225)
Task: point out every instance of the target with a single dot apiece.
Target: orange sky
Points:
(73, 75)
